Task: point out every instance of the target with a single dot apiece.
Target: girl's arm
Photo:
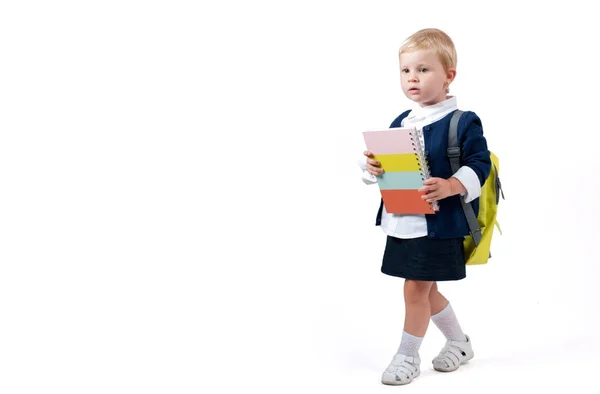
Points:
(474, 149)
(476, 165)
(367, 177)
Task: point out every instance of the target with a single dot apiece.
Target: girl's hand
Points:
(436, 189)
(373, 166)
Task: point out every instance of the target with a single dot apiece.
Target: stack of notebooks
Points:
(401, 154)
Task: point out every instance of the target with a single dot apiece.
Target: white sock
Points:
(447, 322)
(410, 344)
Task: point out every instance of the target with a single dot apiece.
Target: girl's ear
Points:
(450, 75)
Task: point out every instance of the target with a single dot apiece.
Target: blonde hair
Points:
(434, 39)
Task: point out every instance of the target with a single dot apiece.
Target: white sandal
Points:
(453, 355)
(402, 370)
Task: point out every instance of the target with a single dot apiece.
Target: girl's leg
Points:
(417, 308)
(406, 363)
(443, 316)
(416, 318)
(458, 348)
(437, 301)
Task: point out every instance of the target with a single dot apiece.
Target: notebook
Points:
(401, 154)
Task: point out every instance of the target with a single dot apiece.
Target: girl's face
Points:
(423, 78)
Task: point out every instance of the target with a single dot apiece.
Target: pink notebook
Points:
(405, 168)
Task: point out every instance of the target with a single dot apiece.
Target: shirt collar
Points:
(420, 116)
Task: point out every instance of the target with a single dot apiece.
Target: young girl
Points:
(425, 249)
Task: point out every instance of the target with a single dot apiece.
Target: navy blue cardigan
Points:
(449, 221)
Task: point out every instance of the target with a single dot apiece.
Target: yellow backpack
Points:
(477, 245)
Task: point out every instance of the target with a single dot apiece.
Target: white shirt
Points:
(413, 226)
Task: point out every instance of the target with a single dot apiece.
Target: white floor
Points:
(506, 358)
(527, 333)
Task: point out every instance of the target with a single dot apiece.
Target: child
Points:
(425, 249)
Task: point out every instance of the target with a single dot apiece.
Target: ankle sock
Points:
(410, 344)
(448, 324)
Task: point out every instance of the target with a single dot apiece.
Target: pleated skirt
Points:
(424, 259)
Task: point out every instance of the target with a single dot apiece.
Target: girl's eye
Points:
(405, 70)
(423, 70)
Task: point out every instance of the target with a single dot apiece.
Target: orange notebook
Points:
(401, 154)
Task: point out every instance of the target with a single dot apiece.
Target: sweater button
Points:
(426, 128)
(432, 234)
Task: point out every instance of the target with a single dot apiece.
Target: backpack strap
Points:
(454, 157)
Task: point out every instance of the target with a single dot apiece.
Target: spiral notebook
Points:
(401, 154)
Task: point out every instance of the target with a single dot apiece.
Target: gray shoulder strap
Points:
(454, 157)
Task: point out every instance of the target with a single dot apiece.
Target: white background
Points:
(181, 208)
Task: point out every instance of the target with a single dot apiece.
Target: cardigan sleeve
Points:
(474, 149)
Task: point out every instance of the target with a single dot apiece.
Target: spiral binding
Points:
(423, 164)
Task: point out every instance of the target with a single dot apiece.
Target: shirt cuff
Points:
(362, 163)
(470, 181)
(367, 177)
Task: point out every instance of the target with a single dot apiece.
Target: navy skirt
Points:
(424, 259)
